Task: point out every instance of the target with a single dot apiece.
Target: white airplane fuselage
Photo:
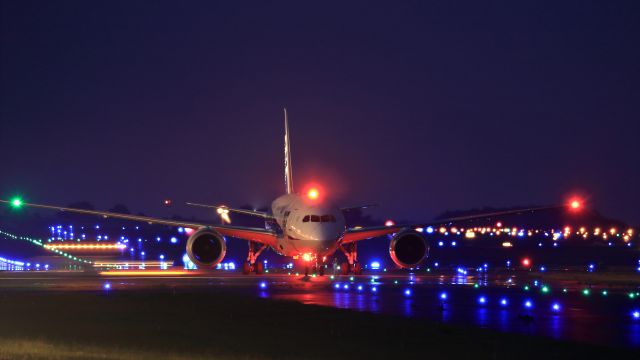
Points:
(306, 226)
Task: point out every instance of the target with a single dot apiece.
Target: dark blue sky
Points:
(419, 106)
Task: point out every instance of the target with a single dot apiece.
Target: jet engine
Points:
(206, 247)
(408, 249)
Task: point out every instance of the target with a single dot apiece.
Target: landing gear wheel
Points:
(259, 268)
(357, 269)
(345, 268)
(246, 268)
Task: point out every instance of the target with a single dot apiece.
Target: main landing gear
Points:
(352, 266)
(251, 265)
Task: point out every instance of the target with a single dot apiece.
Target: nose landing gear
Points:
(318, 268)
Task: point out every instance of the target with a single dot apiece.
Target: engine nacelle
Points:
(408, 249)
(206, 247)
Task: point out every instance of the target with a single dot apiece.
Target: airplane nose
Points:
(327, 235)
(327, 239)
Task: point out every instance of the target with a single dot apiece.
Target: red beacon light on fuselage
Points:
(313, 194)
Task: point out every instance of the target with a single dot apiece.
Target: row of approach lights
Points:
(41, 244)
(499, 229)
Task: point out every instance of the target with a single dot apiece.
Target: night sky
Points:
(419, 106)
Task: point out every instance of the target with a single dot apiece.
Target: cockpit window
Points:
(315, 218)
(328, 218)
(305, 219)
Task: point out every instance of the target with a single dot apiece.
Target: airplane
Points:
(298, 225)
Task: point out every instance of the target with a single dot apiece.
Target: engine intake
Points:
(206, 247)
(408, 249)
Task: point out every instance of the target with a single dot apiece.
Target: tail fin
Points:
(287, 156)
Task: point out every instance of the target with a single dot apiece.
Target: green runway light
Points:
(605, 293)
(16, 202)
(545, 289)
(632, 295)
(476, 286)
(565, 290)
(586, 292)
(526, 288)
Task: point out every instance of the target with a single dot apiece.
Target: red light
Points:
(389, 223)
(575, 204)
(167, 202)
(313, 194)
(526, 262)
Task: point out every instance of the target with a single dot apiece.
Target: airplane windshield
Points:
(317, 218)
(328, 218)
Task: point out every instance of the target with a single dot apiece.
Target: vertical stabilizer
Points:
(287, 156)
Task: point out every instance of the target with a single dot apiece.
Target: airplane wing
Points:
(239, 211)
(263, 236)
(358, 234)
(351, 208)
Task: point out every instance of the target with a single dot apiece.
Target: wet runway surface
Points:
(508, 302)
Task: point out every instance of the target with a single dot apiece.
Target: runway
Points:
(508, 302)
